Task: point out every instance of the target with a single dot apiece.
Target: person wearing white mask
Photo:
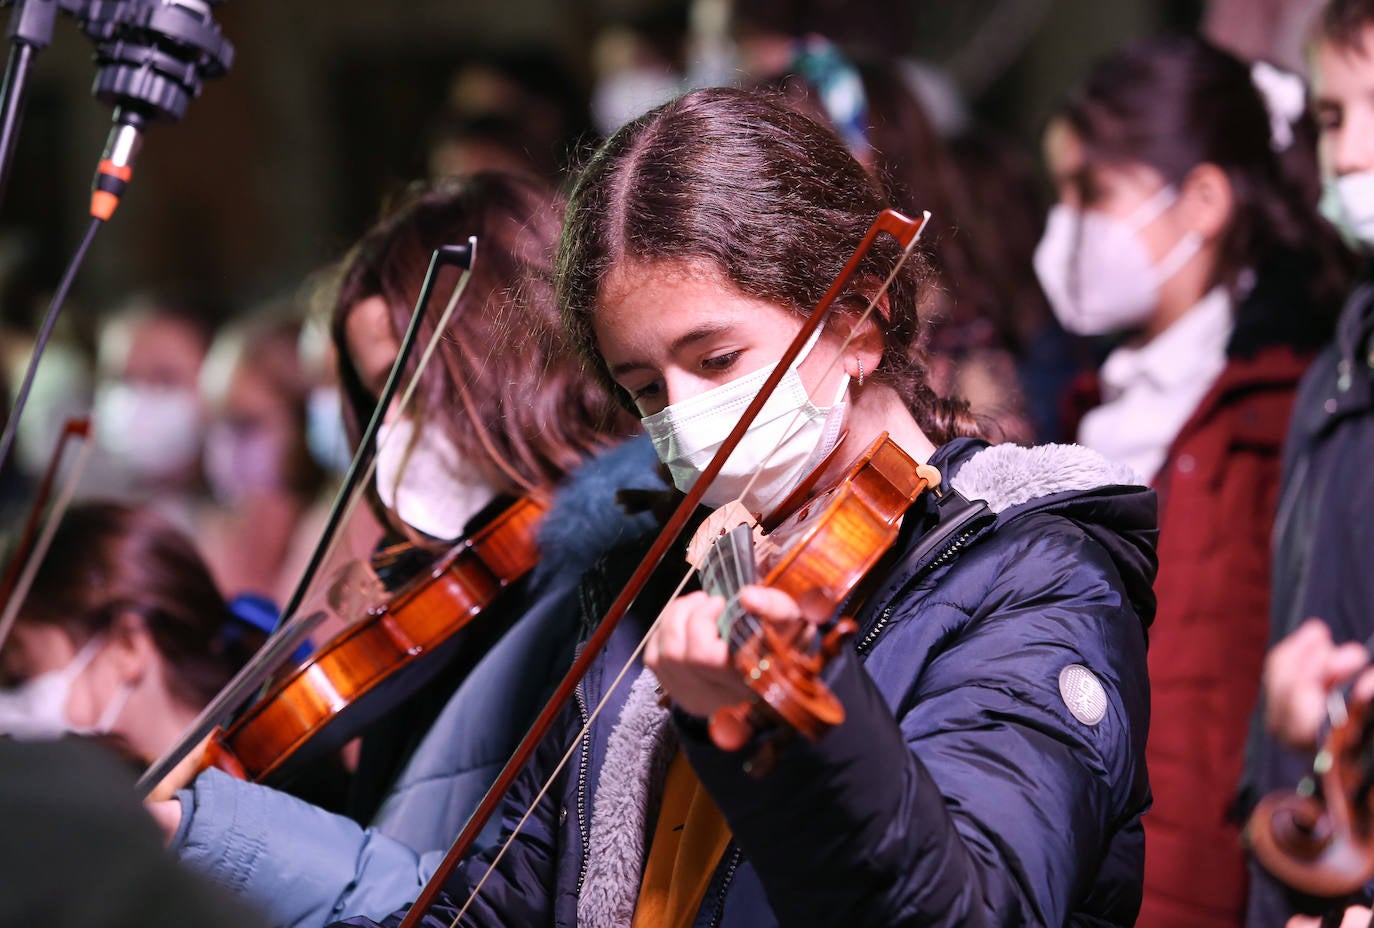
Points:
(698, 238)
(147, 417)
(503, 409)
(1322, 547)
(261, 474)
(123, 634)
(1186, 230)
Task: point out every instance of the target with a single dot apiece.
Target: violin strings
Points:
(844, 344)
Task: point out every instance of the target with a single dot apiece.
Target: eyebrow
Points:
(695, 334)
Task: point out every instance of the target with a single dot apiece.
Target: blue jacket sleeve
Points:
(302, 866)
(960, 789)
(519, 888)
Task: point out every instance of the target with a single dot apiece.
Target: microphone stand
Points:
(151, 59)
(30, 31)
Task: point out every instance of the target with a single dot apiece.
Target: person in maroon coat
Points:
(1186, 226)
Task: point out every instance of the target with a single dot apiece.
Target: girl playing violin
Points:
(989, 768)
(503, 410)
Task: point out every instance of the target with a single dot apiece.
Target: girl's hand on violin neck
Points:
(691, 660)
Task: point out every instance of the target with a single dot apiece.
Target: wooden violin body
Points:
(826, 549)
(344, 685)
(1321, 842)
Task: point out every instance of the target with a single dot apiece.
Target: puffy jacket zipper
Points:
(725, 882)
(946, 554)
(582, 828)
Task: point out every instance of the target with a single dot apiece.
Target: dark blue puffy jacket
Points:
(990, 769)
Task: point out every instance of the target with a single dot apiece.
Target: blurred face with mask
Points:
(148, 415)
(1123, 250)
(121, 633)
(1343, 100)
(254, 434)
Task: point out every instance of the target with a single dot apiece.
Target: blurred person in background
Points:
(71, 818)
(62, 384)
(1322, 544)
(881, 122)
(148, 418)
(123, 634)
(519, 111)
(1180, 231)
(261, 474)
(1004, 218)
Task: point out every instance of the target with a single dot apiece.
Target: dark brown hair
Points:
(1343, 23)
(109, 559)
(763, 194)
(1175, 103)
(505, 347)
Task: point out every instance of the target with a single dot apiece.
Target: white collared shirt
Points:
(1149, 391)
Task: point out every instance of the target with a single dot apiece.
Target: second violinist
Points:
(502, 409)
(989, 769)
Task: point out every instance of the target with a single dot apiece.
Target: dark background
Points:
(281, 164)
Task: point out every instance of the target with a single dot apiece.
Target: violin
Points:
(1319, 839)
(826, 548)
(352, 679)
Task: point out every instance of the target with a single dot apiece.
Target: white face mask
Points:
(1348, 202)
(425, 481)
(325, 434)
(1095, 271)
(687, 435)
(154, 433)
(242, 462)
(37, 708)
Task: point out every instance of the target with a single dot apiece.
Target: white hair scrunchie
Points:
(1284, 96)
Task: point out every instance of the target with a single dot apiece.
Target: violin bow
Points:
(33, 545)
(907, 233)
(292, 629)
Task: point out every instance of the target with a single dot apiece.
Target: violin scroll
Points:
(825, 549)
(1320, 839)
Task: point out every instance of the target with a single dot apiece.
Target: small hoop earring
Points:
(861, 369)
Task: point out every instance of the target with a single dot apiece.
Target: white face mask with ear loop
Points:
(37, 708)
(1095, 271)
(790, 436)
(425, 481)
(1348, 203)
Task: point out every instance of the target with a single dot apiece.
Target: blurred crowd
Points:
(1153, 282)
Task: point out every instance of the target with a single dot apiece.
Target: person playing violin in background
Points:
(123, 633)
(990, 764)
(503, 409)
(1322, 548)
(1187, 227)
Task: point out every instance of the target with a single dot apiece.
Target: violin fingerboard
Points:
(728, 566)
